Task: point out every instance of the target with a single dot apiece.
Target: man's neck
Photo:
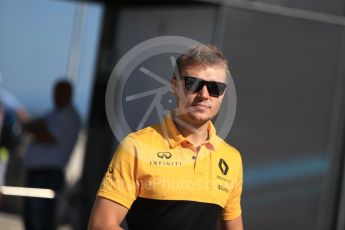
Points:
(59, 107)
(195, 134)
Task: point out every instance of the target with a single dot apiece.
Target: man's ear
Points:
(173, 83)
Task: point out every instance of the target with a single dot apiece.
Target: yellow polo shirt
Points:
(159, 176)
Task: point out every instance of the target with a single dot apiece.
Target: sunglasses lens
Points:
(193, 84)
(215, 89)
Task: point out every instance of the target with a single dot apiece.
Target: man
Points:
(12, 104)
(179, 174)
(54, 137)
(12, 115)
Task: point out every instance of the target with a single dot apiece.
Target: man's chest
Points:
(181, 174)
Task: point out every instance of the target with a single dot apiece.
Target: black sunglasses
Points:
(193, 84)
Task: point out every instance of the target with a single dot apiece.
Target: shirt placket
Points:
(202, 168)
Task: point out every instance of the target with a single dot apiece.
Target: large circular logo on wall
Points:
(166, 47)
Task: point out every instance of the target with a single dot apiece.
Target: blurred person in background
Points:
(178, 174)
(15, 115)
(53, 138)
(12, 104)
(12, 116)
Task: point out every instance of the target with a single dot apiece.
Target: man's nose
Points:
(203, 93)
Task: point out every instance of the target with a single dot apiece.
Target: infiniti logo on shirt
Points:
(166, 155)
(165, 162)
(223, 166)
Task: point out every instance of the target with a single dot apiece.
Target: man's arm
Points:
(39, 130)
(235, 224)
(106, 215)
(22, 115)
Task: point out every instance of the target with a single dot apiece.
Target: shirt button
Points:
(193, 157)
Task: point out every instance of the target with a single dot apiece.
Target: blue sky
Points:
(35, 41)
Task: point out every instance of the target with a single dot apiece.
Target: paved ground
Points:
(10, 222)
(14, 222)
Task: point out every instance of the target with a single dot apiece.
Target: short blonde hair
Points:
(204, 54)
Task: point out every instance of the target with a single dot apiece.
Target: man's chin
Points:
(200, 118)
(195, 118)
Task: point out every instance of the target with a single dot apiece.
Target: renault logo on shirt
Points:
(166, 155)
(223, 166)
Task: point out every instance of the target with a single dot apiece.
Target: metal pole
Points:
(74, 55)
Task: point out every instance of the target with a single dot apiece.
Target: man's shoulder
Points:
(147, 132)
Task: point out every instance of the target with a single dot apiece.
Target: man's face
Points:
(198, 108)
(61, 96)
